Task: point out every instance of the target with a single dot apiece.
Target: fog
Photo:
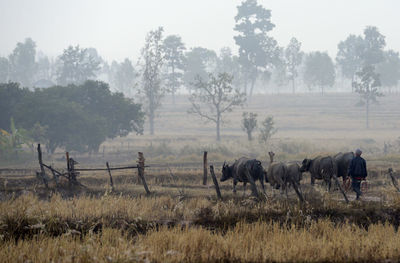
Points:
(117, 29)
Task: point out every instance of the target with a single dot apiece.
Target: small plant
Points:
(249, 123)
(267, 130)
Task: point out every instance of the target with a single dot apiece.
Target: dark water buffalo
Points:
(322, 168)
(239, 169)
(343, 161)
(276, 174)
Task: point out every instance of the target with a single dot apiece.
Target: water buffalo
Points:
(320, 168)
(276, 174)
(343, 161)
(239, 169)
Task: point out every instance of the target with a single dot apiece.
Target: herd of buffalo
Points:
(281, 175)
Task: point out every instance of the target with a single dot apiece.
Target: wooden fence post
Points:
(141, 171)
(205, 168)
(215, 182)
(42, 171)
(394, 181)
(111, 180)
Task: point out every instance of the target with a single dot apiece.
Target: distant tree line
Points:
(167, 66)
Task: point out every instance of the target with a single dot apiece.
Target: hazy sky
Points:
(117, 28)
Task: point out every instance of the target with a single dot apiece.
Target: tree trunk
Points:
(253, 82)
(218, 126)
(293, 88)
(249, 137)
(173, 84)
(151, 121)
(367, 113)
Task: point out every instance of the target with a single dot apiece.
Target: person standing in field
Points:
(357, 172)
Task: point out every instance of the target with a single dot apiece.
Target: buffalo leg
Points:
(244, 188)
(312, 180)
(297, 189)
(234, 185)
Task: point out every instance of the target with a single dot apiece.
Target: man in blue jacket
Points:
(358, 172)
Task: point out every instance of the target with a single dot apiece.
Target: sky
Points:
(117, 28)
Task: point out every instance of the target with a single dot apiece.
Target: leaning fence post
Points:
(111, 180)
(394, 181)
(42, 171)
(141, 171)
(205, 168)
(215, 182)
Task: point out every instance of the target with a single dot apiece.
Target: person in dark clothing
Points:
(358, 172)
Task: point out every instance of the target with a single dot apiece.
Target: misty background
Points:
(130, 67)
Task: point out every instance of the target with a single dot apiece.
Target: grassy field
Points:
(182, 220)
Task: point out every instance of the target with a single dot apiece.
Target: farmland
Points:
(182, 220)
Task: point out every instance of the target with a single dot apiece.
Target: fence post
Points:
(215, 182)
(42, 171)
(111, 180)
(394, 181)
(205, 168)
(141, 171)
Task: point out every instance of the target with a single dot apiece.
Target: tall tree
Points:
(319, 70)
(4, 69)
(22, 62)
(76, 65)
(174, 60)
(153, 59)
(293, 58)
(389, 69)
(123, 77)
(350, 56)
(229, 63)
(374, 42)
(367, 84)
(257, 50)
(198, 62)
(213, 98)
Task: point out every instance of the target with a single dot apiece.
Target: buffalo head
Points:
(305, 165)
(226, 172)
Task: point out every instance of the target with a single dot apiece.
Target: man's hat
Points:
(358, 152)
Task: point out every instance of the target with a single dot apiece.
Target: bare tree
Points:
(249, 123)
(267, 129)
(153, 58)
(366, 85)
(217, 96)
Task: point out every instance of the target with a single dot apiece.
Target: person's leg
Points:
(356, 184)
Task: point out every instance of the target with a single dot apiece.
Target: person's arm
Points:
(365, 169)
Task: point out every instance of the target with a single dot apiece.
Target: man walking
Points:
(358, 172)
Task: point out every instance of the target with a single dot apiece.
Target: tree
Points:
(249, 123)
(319, 70)
(76, 66)
(22, 62)
(374, 42)
(78, 117)
(389, 69)
(199, 62)
(10, 96)
(267, 129)
(174, 60)
(293, 58)
(153, 58)
(367, 84)
(218, 97)
(4, 69)
(123, 77)
(227, 62)
(350, 55)
(256, 49)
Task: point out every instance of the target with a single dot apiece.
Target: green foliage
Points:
(74, 117)
(293, 59)
(11, 142)
(249, 123)
(350, 55)
(4, 69)
(218, 97)
(10, 96)
(319, 71)
(267, 129)
(76, 66)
